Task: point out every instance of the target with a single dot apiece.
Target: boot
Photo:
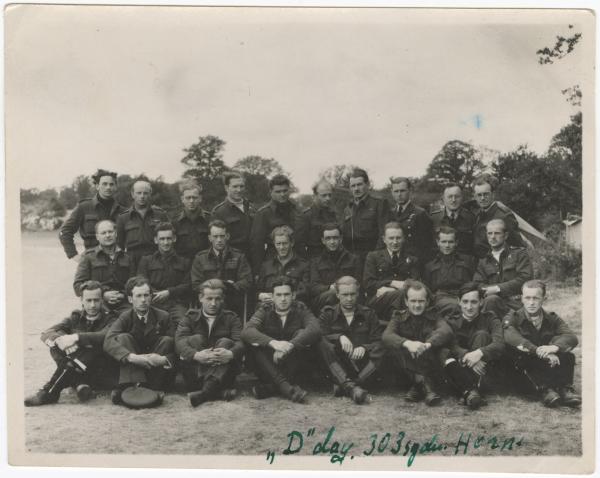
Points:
(209, 391)
(473, 399)
(569, 397)
(356, 393)
(41, 397)
(298, 395)
(263, 390)
(431, 396)
(84, 392)
(50, 392)
(550, 398)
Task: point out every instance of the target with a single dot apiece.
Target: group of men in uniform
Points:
(447, 295)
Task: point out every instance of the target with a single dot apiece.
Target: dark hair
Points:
(101, 173)
(535, 284)
(136, 281)
(284, 280)
(229, 175)
(215, 284)
(359, 173)
(164, 226)
(217, 223)
(470, 287)
(279, 180)
(415, 285)
(445, 230)
(485, 179)
(90, 285)
(400, 180)
(103, 221)
(331, 226)
(319, 182)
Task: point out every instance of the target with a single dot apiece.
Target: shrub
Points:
(557, 262)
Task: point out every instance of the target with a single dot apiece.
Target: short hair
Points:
(394, 225)
(164, 226)
(450, 186)
(415, 285)
(279, 180)
(282, 231)
(346, 280)
(331, 226)
(141, 179)
(282, 281)
(496, 221)
(535, 284)
(97, 225)
(136, 281)
(217, 223)
(229, 175)
(214, 284)
(400, 180)
(359, 173)
(485, 179)
(445, 230)
(470, 287)
(100, 173)
(189, 184)
(90, 285)
(319, 183)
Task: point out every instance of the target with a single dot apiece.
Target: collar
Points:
(489, 208)
(361, 200)
(449, 213)
(213, 253)
(236, 204)
(98, 249)
(403, 207)
(390, 253)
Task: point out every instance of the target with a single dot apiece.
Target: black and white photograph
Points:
(300, 238)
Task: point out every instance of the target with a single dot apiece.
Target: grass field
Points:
(251, 427)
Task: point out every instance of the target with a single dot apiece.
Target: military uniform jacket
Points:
(192, 234)
(518, 330)
(167, 272)
(496, 211)
(84, 218)
(158, 325)
(310, 229)
(232, 266)
(226, 325)
(301, 327)
(239, 224)
(91, 333)
(97, 265)
(136, 233)
(464, 331)
(447, 273)
(363, 223)
(364, 330)
(327, 268)
(380, 272)
(418, 229)
(296, 268)
(464, 224)
(427, 327)
(513, 270)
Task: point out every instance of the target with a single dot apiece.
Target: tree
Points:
(204, 159)
(457, 162)
(338, 175)
(257, 165)
(562, 47)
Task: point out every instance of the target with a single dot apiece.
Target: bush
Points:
(557, 262)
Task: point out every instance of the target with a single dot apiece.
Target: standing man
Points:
(89, 211)
(135, 226)
(208, 342)
(76, 346)
(236, 212)
(107, 264)
(351, 345)
(280, 211)
(191, 224)
(280, 336)
(310, 227)
(414, 220)
(453, 214)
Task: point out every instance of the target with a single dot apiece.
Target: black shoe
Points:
(298, 395)
(432, 398)
(550, 398)
(115, 396)
(41, 397)
(84, 392)
(263, 390)
(228, 394)
(338, 391)
(358, 395)
(569, 397)
(415, 393)
(198, 398)
(473, 399)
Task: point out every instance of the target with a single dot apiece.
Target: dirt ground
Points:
(246, 426)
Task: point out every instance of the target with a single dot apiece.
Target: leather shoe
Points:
(115, 396)
(84, 392)
(359, 395)
(431, 396)
(228, 394)
(197, 398)
(263, 390)
(415, 393)
(41, 397)
(473, 399)
(569, 397)
(550, 398)
(298, 394)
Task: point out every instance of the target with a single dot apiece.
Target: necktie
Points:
(395, 259)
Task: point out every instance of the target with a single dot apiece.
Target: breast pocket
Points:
(133, 234)
(100, 271)
(89, 224)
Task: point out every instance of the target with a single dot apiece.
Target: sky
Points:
(127, 88)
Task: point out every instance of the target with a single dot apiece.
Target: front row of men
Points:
(283, 337)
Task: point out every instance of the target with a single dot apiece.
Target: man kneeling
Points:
(208, 341)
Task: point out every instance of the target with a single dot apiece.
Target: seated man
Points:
(76, 347)
(168, 273)
(334, 262)
(447, 272)
(478, 341)
(351, 345)
(386, 270)
(141, 341)
(539, 345)
(208, 342)
(279, 336)
(415, 337)
(107, 264)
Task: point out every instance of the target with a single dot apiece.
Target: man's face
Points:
(91, 301)
(191, 199)
(484, 195)
(218, 237)
(283, 246)
(416, 301)
(496, 235)
(452, 198)
(106, 234)
(235, 189)
(165, 240)
(348, 296)
(324, 194)
(332, 240)
(470, 304)
(280, 194)
(283, 297)
(400, 193)
(446, 243)
(358, 187)
(532, 300)
(107, 187)
(141, 194)
(211, 300)
(393, 239)
(140, 298)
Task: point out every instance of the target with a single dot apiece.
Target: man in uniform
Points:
(89, 211)
(236, 212)
(135, 226)
(334, 262)
(539, 344)
(309, 234)
(415, 338)
(108, 264)
(386, 270)
(478, 342)
(351, 345)
(208, 342)
(453, 214)
(280, 211)
(503, 271)
(447, 272)
(279, 337)
(191, 224)
(414, 220)
(76, 346)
